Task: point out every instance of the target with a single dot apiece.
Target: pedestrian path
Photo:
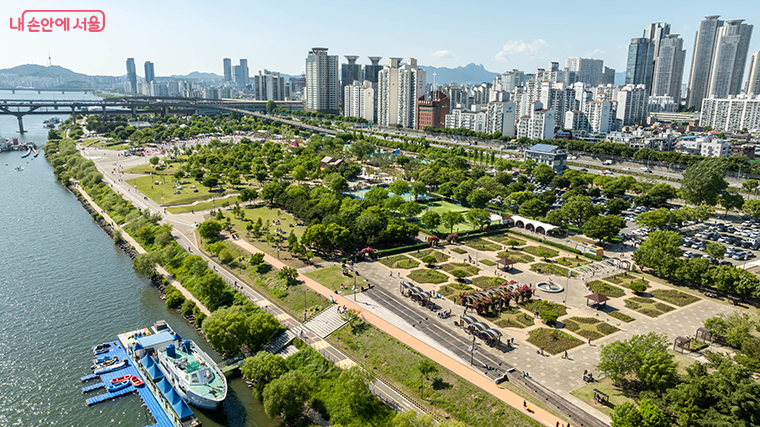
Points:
(326, 322)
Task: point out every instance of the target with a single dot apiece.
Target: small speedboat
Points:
(118, 386)
(120, 379)
(110, 368)
(102, 359)
(102, 348)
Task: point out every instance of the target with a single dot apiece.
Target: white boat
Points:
(110, 368)
(192, 372)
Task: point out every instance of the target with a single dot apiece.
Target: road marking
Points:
(283, 317)
(262, 303)
(346, 364)
(320, 345)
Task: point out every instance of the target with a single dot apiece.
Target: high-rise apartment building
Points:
(359, 101)
(241, 73)
(640, 66)
(753, 80)
(501, 118)
(269, 86)
(350, 73)
(632, 102)
(432, 112)
(731, 114)
(509, 80)
(371, 70)
(729, 59)
(589, 71)
(150, 73)
(600, 116)
(701, 61)
(668, 67)
(398, 89)
(322, 83)
(227, 69)
(131, 75)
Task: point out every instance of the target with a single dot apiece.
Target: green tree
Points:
(292, 241)
(410, 209)
(657, 370)
(399, 187)
(154, 160)
(285, 395)
(210, 181)
(289, 274)
(210, 230)
(620, 359)
(734, 328)
(431, 219)
(418, 189)
(750, 185)
(262, 369)
(752, 208)
(543, 173)
(715, 250)
(299, 173)
(451, 219)
(356, 403)
(533, 208)
(646, 415)
(659, 218)
(425, 368)
(429, 260)
(210, 289)
(616, 206)
(145, 264)
(480, 218)
(271, 106)
(603, 227)
(270, 191)
(339, 185)
(704, 181)
(731, 201)
(660, 251)
(226, 329)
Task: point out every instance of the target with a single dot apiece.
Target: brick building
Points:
(432, 112)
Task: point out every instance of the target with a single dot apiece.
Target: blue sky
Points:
(184, 36)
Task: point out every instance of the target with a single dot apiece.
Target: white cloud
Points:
(594, 52)
(442, 54)
(519, 47)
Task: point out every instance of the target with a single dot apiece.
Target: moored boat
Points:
(110, 368)
(118, 386)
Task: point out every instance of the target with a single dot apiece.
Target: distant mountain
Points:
(469, 74)
(197, 75)
(34, 70)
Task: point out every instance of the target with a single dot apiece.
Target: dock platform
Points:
(159, 413)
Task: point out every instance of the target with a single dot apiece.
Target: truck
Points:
(608, 162)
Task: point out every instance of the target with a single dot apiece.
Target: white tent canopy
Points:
(533, 225)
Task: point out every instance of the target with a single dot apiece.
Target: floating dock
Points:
(161, 410)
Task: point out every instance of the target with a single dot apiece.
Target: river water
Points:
(64, 287)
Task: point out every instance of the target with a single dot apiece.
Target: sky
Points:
(184, 36)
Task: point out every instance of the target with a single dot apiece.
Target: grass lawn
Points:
(470, 269)
(539, 306)
(548, 269)
(553, 341)
(146, 185)
(674, 297)
(396, 364)
(572, 262)
(483, 245)
(440, 256)
(621, 316)
(511, 318)
(504, 238)
(647, 306)
(625, 279)
(597, 286)
(488, 262)
(230, 201)
(441, 206)
(428, 276)
(399, 261)
(148, 169)
(617, 395)
(516, 256)
(486, 282)
(295, 299)
(452, 291)
(589, 327)
(533, 250)
(460, 251)
(332, 277)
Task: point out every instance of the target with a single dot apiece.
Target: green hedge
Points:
(402, 249)
(558, 245)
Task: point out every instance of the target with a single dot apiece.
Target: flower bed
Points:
(440, 256)
(428, 276)
(399, 261)
(536, 250)
(470, 269)
(553, 341)
(647, 306)
(622, 316)
(539, 306)
(674, 297)
(603, 288)
(548, 269)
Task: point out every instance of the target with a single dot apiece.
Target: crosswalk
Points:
(326, 322)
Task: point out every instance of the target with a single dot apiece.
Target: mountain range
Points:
(469, 74)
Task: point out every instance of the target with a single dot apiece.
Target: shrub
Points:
(174, 298)
(638, 287)
(187, 307)
(459, 274)
(549, 317)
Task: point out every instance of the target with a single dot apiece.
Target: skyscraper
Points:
(322, 84)
(150, 74)
(753, 80)
(398, 89)
(729, 59)
(701, 61)
(241, 73)
(668, 67)
(349, 73)
(656, 32)
(132, 75)
(370, 71)
(587, 70)
(227, 69)
(640, 65)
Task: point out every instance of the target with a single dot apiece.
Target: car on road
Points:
(583, 170)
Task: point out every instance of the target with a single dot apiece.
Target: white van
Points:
(608, 162)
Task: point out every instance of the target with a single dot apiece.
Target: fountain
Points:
(549, 287)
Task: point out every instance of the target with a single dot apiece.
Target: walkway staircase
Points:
(282, 340)
(326, 322)
(287, 351)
